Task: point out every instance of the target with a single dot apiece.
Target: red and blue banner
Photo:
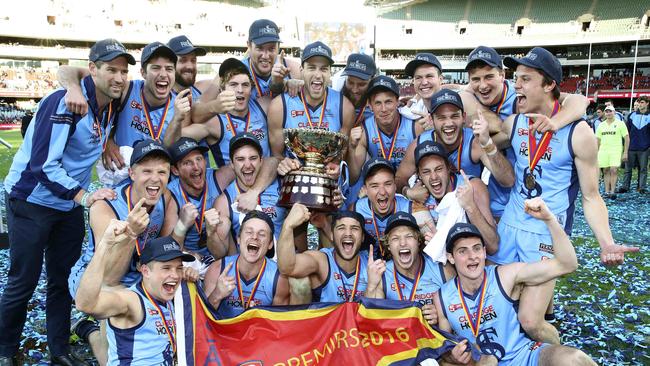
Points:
(373, 332)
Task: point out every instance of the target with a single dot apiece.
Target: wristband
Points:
(180, 230)
(490, 142)
(84, 199)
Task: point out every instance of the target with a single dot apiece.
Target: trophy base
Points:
(314, 190)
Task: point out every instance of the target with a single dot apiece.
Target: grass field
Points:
(604, 311)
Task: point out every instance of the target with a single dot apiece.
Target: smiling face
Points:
(246, 162)
(427, 81)
(316, 72)
(150, 177)
(110, 77)
(262, 57)
(531, 93)
(434, 173)
(487, 83)
(159, 77)
(191, 171)
(255, 240)
(161, 279)
(404, 246)
(468, 256)
(448, 123)
(348, 237)
(355, 88)
(380, 188)
(241, 84)
(384, 106)
(186, 70)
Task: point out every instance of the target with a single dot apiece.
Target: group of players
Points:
(480, 259)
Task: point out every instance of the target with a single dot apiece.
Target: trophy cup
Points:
(310, 185)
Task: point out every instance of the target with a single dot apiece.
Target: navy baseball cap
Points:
(181, 45)
(427, 148)
(375, 164)
(422, 59)
(157, 48)
(538, 58)
(263, 31)
(383, 83)
(461, 230)
(401, 218)
(163, 249)
(244, 138)
(184, 146)
(361, 66)
(317, 48)
(232, 63)
(108, 50)
(445, 96)
(256, 214)
(485, 55)
(148, 147)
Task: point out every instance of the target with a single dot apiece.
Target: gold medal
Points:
(529, 182)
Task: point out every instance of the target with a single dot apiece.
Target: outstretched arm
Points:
(290, 263)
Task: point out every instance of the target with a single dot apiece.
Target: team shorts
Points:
(609, 158)
(517, 245)
(526, 356)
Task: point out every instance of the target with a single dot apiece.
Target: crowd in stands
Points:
(11, 113)
(27, 78)
(609, 80)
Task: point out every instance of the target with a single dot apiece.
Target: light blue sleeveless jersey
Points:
(258, 127)
(362, 206)
(232, 305)
(147, 343)
(339, 284)
(556, 179)
(470, 167)
(132, 123)
(194, 241)
(432, 278)
(405, 135)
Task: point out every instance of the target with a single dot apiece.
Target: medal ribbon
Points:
(322, 111)
(109, 126)
(198, 222)
(357, 274)
(460, 148)
(232, 125)
(255, 82)
(503, 97)
(155, 136)
(360, 115)
(535, 151)
(474, 326)
(392, 142)
(415, 283)
(247, 304)
(374, 224)
(130, 205)
(170, 335)
(239, 191)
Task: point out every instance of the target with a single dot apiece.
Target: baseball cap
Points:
(461, 230)
(184, 146)
(317, 48)
(263, 31)
(361, 66)
(427, 148)
(257, 214)
(148, 147)
(232, 63)
(538, 58)
(486, 55)
(244, 138)
(375, 164)
(445, 96)
(157, 48)
(181, 45)
(610, 108)
(401, 218)
(163, 249)
(383, 83)
(424, 58)
(108, 50)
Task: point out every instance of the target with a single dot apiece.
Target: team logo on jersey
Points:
(487, 341)
(136, 105)
(454, 307)
(297, 113)
(523, 151)
(547, 248)
(270, 210)
(488, 314)
(535, 191)
(259, 134)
